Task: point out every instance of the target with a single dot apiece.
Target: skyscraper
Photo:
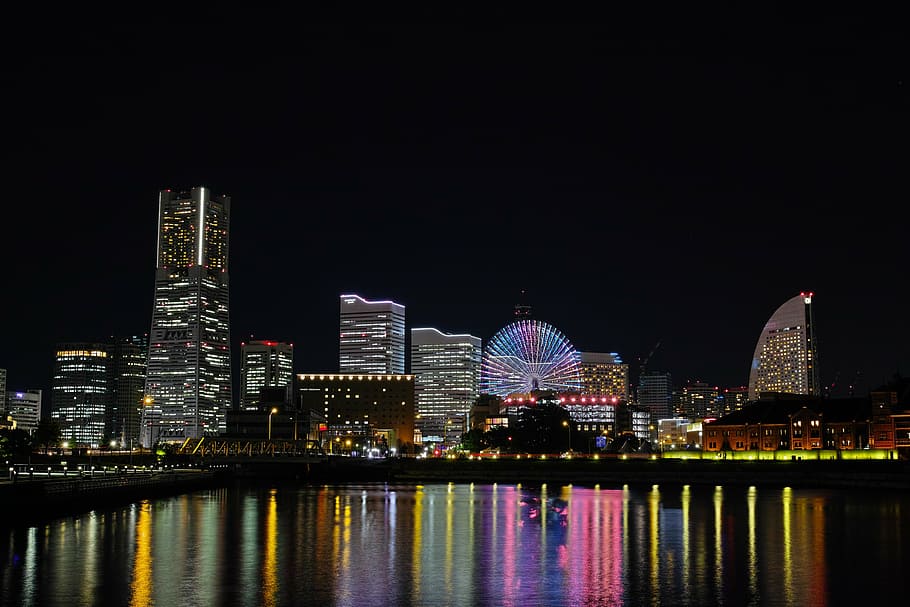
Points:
(2, 390)
(655, 391)
(786, 355)
(264, 364)
(189, 365)
(129, 356)
(24, 407)
(446, 369)
(696, 400)
(80, 392)
(371, 337)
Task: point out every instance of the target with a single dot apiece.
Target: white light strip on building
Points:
(158, 246)
(201, 234)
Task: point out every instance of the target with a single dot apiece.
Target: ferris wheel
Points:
(529, 355)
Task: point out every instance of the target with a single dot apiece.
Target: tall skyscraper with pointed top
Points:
(188, 383)
(786, 355)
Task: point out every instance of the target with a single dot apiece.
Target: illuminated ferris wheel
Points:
(529, 355)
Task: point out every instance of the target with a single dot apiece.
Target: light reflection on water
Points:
(466, 544)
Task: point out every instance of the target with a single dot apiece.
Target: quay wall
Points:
(38, 498)
(795, 474)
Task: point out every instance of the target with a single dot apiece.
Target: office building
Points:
(446, 369)
(730, 400)
(80, 392)
(655, 393)
(371, 336)
(25, 408)
(696, 400)
(785, 360)
(128, 358)
(605, 374)
(361, 408)
(188, 382)
(2, 390)
(264, 364)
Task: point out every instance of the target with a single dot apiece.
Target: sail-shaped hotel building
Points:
(786, 355)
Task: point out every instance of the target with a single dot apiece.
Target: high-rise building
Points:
(264, 364)
(25, 408)
(446, 369)
(80, 393)
(605, 374)
(786, 355)
(188, 384)
(731, 400)
(129, 356)
(2, 390)
(655, 391)
(696, 400)
(372, 336)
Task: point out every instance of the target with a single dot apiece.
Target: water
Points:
(471, 545)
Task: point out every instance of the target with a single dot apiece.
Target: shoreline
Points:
(33, 501)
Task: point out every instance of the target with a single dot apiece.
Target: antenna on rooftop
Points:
(522, 309)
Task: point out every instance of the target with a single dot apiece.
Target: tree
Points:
(499, 436)
(540, 428)
(473, 440)
(47, 434)
(14, 442)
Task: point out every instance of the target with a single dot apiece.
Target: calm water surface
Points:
(468, 544)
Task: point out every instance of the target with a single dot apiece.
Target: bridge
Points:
(219, 447)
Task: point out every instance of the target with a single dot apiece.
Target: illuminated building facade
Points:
(129, 356)
(655, 393)
(604, 373)
(189, 362)
(371, 339)
(791, 422)
(446, 369)
(696, 400)
(732, 399)
(264, 364)
(80, 392)
(591, 413)
(360, 407)
(785, 360)
(25, 408)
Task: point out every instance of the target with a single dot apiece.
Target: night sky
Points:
(641, 183)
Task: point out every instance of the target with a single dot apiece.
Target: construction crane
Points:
(644, 363)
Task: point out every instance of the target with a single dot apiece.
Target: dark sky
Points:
(642, 183)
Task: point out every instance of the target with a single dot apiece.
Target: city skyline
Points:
(635, 192)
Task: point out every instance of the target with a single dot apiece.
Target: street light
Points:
(569, 427)
(147, 401)
(271, 413)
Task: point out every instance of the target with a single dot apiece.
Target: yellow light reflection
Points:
(718, 538)
(141, 585)
(450, 539)
(654, 529)
(418, 535)
(269, 563)
(753, 551)
(787, 502)
(686, 563)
